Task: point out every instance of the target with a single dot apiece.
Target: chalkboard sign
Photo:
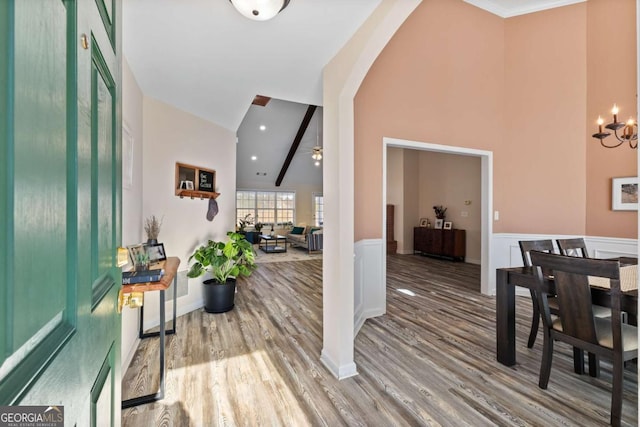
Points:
(207, 181)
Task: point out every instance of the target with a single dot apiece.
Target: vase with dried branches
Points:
(152, 228)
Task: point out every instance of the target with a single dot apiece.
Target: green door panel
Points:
(37, 322)
(60, 206)
(103, 179)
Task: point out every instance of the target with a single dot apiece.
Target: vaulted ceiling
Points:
(203, 57)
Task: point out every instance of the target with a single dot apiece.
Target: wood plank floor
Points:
(429, 361)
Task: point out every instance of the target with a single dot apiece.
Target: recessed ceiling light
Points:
(263, 128)
(254, 158)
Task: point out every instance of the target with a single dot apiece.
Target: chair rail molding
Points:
(506, 251)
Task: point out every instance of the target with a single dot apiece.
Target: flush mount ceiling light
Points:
(259, 10)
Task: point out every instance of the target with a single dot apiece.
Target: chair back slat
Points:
(526, 246)
(574, 302)
(570, 275)
(573, 247)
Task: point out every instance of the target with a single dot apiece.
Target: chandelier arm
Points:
(610, 146)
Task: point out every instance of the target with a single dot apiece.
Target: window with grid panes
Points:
(318, 209)
(267, 207)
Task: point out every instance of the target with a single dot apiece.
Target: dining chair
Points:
(578, 248)
(576, 324)
(573, 247)
(527, 246)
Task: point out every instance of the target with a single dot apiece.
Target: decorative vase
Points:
(152, 241)
(218, 297)
(142, 266)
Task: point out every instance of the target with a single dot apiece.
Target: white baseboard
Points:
(132, 351)
(182, 310)
(340, 372)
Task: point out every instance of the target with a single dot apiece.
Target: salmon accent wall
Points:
(456, 75)
(540, 169)
(440, 80)
(611, 78)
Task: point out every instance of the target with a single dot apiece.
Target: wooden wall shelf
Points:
(195, 182)
(193, 194)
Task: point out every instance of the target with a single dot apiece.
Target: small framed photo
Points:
(439, 223)
(156, 253)
(134, 250)
(624, 194)
(448, 225)
(424, 222)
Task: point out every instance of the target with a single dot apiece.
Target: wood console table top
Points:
(170, 267)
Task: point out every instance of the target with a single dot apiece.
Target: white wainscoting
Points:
(370, 298)
(506, 251)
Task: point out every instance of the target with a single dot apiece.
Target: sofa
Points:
(308, 237)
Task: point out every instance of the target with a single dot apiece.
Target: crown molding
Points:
(499, 8)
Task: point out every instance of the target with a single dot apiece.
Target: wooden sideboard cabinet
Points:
(438, 242)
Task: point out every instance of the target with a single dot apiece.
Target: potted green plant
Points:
(226, 261)
(142, 261)
(243, 222)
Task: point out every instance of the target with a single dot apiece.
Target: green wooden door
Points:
(60, 207)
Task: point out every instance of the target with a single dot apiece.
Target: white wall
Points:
(172, 135)
(450, 180)
(411, 168)
(131, 198)
(341, 79)
(395, 192)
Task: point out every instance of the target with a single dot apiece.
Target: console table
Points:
(170, 266)
(439, 242)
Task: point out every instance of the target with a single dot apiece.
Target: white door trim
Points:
(486, 222)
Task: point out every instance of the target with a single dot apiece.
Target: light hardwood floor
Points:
(429, 361)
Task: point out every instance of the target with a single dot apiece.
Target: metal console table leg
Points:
(159, 395)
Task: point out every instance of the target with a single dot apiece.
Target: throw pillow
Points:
(313, 230)
(297, 230)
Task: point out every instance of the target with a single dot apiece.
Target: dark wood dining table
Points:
(506, 281)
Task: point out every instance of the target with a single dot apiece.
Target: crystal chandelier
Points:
(629, 131)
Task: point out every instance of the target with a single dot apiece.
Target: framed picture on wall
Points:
(448, 225)
(624, 194)
(424, 222)
(439, 223)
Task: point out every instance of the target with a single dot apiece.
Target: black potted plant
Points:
(226, 261)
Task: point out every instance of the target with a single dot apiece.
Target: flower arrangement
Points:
(440, 211)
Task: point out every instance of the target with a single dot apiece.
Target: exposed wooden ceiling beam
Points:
(296, 143)
(261, 100)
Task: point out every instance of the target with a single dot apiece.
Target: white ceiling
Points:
(282, 120)
(509, 8)
(203, 57)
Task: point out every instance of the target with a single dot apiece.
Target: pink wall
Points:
(611, 78)
(439, 80)
(540, 168)
(457, 75)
